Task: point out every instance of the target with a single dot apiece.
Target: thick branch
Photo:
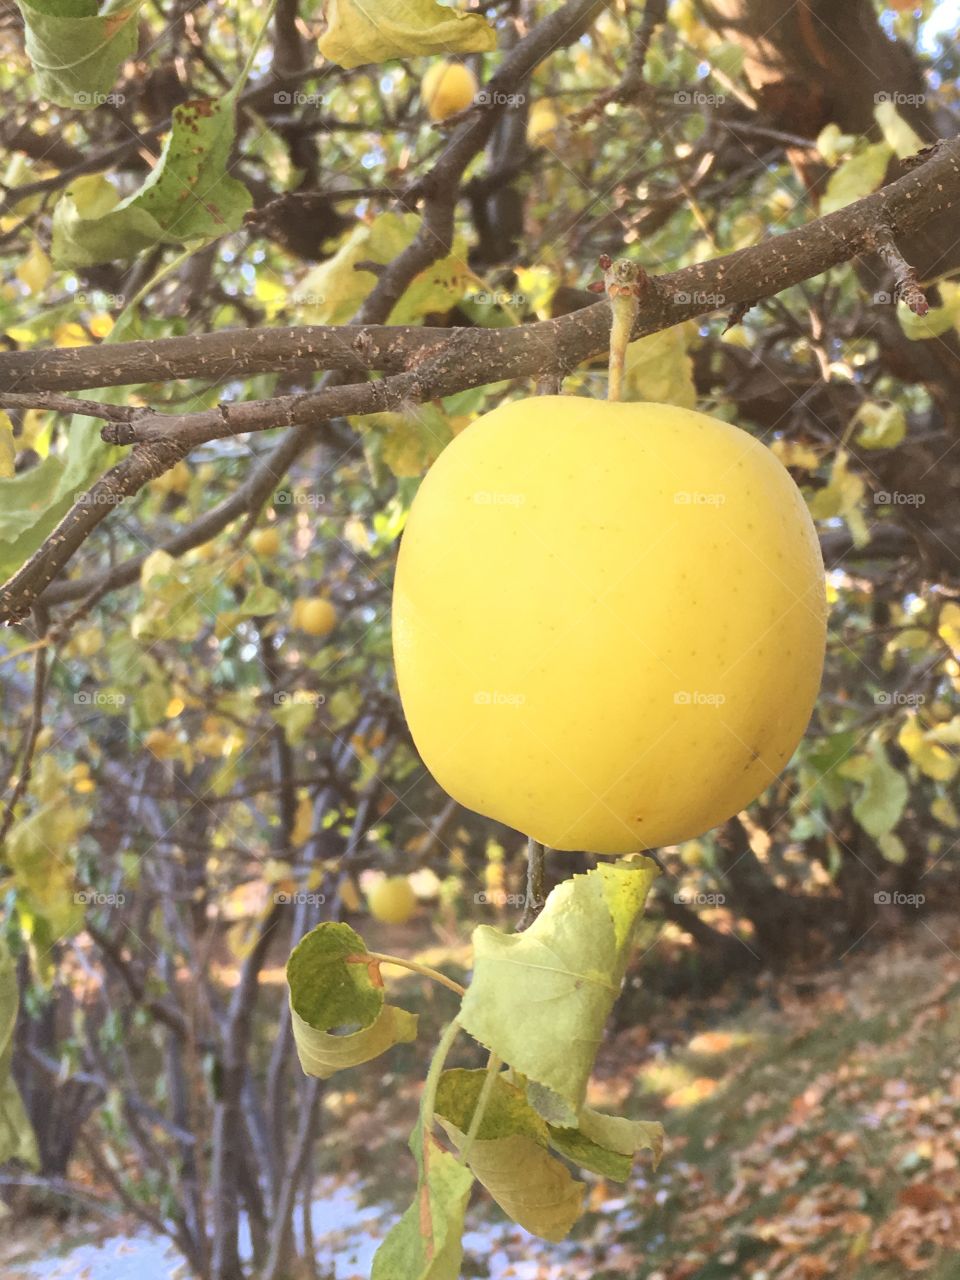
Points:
(745, 276)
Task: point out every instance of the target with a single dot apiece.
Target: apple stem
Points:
(535, 886)
(624, 282)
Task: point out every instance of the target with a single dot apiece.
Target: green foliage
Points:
(188, 195)
(76, 51)
(331, 988)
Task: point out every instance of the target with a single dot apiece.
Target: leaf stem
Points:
(428, 1101)
(424, 969)
(493, 1070)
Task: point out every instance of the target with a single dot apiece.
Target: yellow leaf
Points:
(8, 448)
(897, 133)
(856, 177)
(35, 269)
(359, 32)
(303, 821)
(929, 757)
(949, 625)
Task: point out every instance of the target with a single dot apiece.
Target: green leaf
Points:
(359, 31)
(331, 986)
(32, 502)
(880, 805)
(17, 1141)
(509, 1155)
(856, 177)
(882, 426)
(76, 51)
(937, 321)
(425, 1243)
(409, 442)
(607, 1144)
(188, 195)
(540, 999)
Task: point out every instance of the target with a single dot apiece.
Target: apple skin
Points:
(392, 900)
(314, 615)
(608, 621)
(446, 89)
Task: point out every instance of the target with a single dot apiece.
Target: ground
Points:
(813, 1130)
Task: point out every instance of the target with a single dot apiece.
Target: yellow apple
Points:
(543, 124)
(608, 621)
(392, 900)
(448, 87)
(265, 542)
(314, 615)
